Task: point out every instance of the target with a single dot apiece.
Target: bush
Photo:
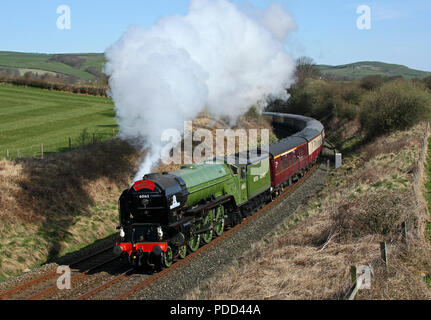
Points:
(253, 114)
(72, 60)
(427, 82)
(372, 82)
(381, 213)
(396, 105)
(84, 138)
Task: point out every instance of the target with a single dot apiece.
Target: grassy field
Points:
(30, 117)
(42, 62)
(367, 68)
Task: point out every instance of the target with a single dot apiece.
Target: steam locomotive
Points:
(166, 216)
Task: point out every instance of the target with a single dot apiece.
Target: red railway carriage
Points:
(290, 157)
(287, 159)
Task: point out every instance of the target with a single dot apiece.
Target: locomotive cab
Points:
(155, 199)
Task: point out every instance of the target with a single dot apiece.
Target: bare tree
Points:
(306, 68)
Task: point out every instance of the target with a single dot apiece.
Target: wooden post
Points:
(70, 144)
(383, 252)
(404, 231)
(7, 154)
(353, 274)
(354, 288)
(41, 150)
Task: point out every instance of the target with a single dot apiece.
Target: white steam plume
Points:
(216, 57)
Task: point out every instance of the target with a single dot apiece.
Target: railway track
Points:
(152, 278)
(42, 286)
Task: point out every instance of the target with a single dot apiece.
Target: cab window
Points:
(234, 170)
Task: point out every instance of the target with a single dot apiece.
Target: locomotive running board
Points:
(210, 205)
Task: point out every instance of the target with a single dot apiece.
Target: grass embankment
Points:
(362, 204)
(54, 206)
(427, 192)
(30, 117)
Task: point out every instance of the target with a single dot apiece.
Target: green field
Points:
(42, 62)
(30, 117)
(367, 68)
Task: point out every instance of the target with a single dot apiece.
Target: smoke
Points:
(217, 57)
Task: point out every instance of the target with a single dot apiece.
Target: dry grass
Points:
(310, 255)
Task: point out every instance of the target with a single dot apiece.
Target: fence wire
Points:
(68, 144)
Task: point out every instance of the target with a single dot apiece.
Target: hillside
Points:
(362, 204)
(367, 68)
(83, 66)
(89, 66)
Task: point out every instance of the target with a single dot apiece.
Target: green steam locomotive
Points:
(164, 217)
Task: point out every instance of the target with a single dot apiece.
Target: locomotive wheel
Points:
(182, 252)
(208, 236)
(193, 243)
(168, 258)
(219, 221)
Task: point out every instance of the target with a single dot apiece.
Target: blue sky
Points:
(326, 30)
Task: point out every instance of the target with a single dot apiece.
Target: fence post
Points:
(404, 231)
(41, 150)
(7, 154)
(383, 252)
(354, 289)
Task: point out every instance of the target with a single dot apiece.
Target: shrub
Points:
(84, 137)
(253, 114)
(72, 60)
(427, 81)
(396, 105)
(372, 82)
(380, 213)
